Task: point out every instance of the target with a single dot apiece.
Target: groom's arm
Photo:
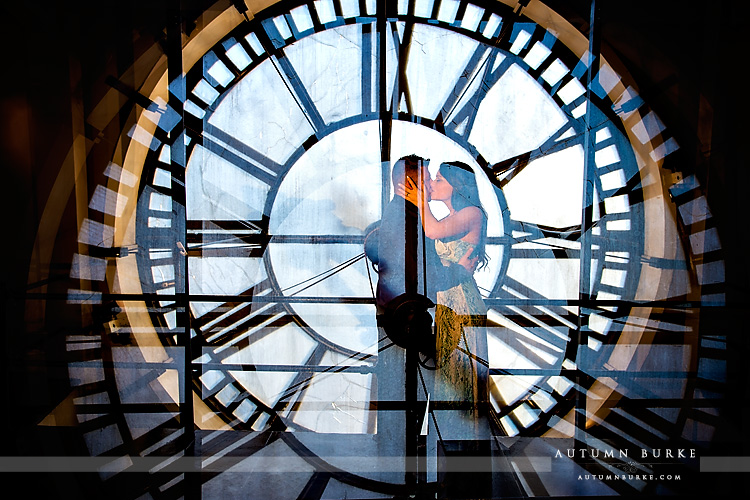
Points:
(445, 277)
(456, 274)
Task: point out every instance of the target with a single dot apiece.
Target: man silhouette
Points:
(410, 274)
(409, 270)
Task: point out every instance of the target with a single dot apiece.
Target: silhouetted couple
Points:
(425, 261)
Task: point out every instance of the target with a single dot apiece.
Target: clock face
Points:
(287, 152)
(282, 158)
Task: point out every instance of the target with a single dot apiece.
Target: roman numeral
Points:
(370, 87)
(460, 110)
(401, 99)
(240, 154)
(289, 74)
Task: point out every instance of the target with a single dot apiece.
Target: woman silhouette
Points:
(460, 315)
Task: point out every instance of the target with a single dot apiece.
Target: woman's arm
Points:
(458, 223)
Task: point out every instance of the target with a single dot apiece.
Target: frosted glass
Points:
(538, 53)
(448, 10)
(325, 11)
(613, 180)
(555, 72)
(261, 112)
(288, 345)
(549, 190)
(301, 18)
(219, 190)
(238, 56)
(339, 173)
(351, 326)
(222, 276)
(345, 399)
(423, 8)
(221, 73)
(433, 70)
(516, 116)
(329, 65)
(552, 278)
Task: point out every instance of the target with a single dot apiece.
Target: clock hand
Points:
(217, 238)
(537, 231)
(325, 274)
(504, 170)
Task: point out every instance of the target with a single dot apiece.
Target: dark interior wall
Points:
(55, 60)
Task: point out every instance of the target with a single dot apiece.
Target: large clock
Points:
(248, 184)
(285, 167)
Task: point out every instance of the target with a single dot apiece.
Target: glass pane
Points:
(516, 116)
(436, 62)
(219, 190)
(329, 65)
(259, 99)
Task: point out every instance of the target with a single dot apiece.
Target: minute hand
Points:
(538, 231)
(504, 171)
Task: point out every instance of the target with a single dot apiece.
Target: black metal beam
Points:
(191, 487)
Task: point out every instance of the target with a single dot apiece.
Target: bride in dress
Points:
(460, 314)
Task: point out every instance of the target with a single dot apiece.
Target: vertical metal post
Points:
(584, 286)
(412, 419)
(177, 96)
(392, 433)
(384, 115)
